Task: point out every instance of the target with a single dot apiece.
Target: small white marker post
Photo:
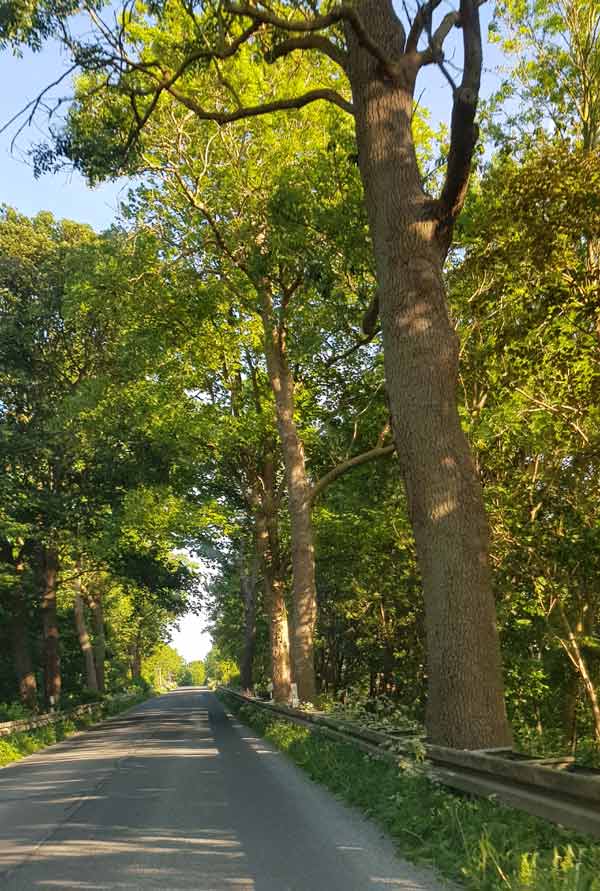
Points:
(294, 701)
(270, 689)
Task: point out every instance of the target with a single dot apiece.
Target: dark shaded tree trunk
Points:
(465, 705)
(97, 609)
(572, 693)
(267, 546)
(52, 674)
(304, 600)
(248, 583)
(136, 660)
(85, 643)
(22, 654)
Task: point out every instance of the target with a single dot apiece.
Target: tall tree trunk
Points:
(97, 610)
(571, 646)
(572, 692)
(85, 643)
(276, 610)
(248, 580)
(304, 597)
(465, 705)
(136, 660)
(22, 654)
(52, 675)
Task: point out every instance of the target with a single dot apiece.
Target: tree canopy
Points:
(353, 375)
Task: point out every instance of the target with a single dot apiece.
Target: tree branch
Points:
(252, 111)
(463, 129)
(421, 21)
(434, 52)
(342, 468)
(342, 13)
(313, 41)
(333, 360)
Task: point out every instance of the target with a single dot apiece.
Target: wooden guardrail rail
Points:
(92, 709)
(554, 789)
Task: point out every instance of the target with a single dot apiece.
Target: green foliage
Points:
(95, 464)
(197, 673)
(220, 670)
(526, 302)
(13, 711)
(164, 669)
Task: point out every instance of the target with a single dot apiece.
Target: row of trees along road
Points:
(292, 183)
(94, 488)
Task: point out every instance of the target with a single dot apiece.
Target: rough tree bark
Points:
(248, 581)
(136, 659)
(268, 550)
(304, 597)
(85, 643)
(16, 606)
(52, 673)
(97, 609)
(410, 234)
(22, 654)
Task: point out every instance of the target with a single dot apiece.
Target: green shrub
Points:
(8, 752)
(13, 711)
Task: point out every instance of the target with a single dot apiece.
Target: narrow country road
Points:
(177, 795)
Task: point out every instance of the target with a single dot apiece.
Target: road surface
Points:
(177, 795)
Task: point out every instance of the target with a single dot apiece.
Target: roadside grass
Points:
(477, 843)
(25, 742)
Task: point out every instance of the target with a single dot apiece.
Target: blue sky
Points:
(65, 194)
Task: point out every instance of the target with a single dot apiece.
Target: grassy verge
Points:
(26, 742)
(475, 842)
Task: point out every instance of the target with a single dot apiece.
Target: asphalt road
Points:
(177, 795)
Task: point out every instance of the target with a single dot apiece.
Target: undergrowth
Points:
(17, 745)
(478, 843)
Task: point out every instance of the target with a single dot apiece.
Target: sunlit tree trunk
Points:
(248, 585)
(85, 643)
(268, 550)
(136, 660)
(573, 650)
(465, 689)
(304, 600)
(97, 611)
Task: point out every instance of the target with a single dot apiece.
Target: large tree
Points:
(275, 239)
(180, 51)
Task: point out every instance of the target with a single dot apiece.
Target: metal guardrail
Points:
(554, 789)
(25, 724)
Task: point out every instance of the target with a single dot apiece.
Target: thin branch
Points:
(342, 468)
(34, 105)
(353, 349)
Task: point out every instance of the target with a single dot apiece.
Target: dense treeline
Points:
(276, 361)
(94, 491)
